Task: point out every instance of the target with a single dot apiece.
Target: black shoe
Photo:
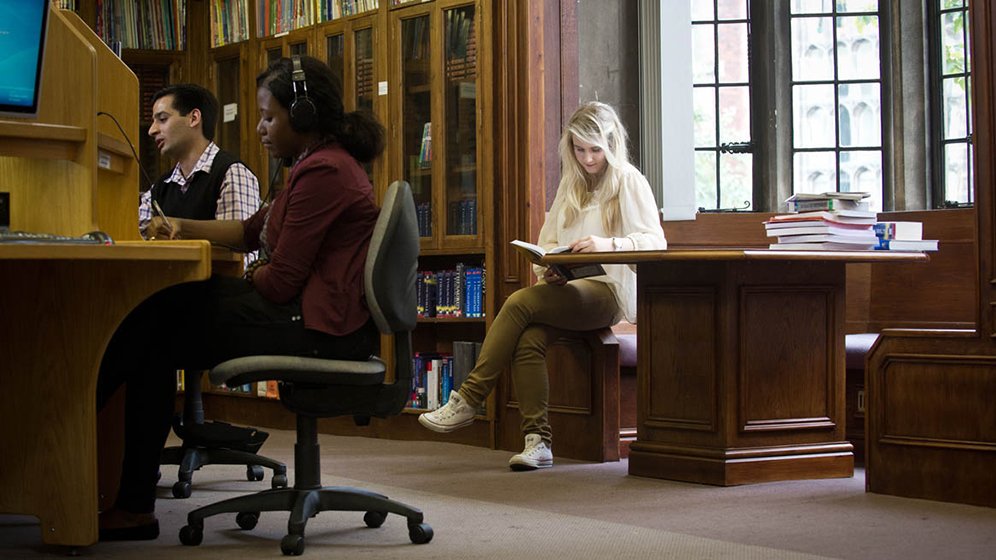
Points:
(147, 532)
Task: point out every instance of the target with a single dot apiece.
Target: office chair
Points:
(214, 443)
(314, 388)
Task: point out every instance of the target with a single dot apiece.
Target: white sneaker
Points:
(453, 415)
(536, 455)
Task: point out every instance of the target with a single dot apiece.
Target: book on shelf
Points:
(907, 245)
(464, 359)
(425, 151)
(572, 271)
(433, 368)
(450, 293)
(433, 377)
(908, 231)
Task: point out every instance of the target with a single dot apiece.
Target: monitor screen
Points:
(22, 48)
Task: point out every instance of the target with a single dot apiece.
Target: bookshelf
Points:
(230, 22)
(124, 24)
(436, 75)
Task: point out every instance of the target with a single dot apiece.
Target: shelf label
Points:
(382, 88)
(103, 160)
(231, 110)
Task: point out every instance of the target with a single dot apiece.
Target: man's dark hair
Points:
(187, 97)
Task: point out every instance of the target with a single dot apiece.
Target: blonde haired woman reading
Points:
(603, 203)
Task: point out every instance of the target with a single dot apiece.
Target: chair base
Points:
(305, 503)
(192, 458)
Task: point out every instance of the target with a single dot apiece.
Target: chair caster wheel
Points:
(292, 545)
(254, 473)
(374, 519)
(191, 536)
(420, 533)
(247, 520)
(181, 490)
(279, 481)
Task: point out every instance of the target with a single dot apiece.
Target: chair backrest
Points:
(392, 262)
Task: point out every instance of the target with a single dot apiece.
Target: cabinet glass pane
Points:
(273, 55)
(416, 115)
(364, 69)
(228, 135)
(460, 50)
(334, 55)
(299, 49)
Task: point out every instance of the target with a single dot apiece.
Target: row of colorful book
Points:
(451, 293)
(841, 222)
(435, 374)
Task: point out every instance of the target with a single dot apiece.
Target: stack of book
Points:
(824, 222)
(828, 201)
(902, 236)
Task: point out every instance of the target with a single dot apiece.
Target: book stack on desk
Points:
(824, 222)
(902, 236)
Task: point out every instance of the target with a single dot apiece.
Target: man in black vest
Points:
(207, 183)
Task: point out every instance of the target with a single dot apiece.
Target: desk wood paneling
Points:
(59, 306)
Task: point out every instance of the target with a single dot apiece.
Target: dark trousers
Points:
(197, 326)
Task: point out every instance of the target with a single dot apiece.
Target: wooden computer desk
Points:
(740, 366)
(59, 306)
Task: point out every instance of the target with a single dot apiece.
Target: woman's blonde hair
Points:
(597, 124)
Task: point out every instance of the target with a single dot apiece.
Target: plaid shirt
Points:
(238, 199)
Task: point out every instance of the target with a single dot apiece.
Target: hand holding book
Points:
(572, 271)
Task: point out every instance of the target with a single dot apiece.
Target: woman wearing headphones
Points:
(305, 298)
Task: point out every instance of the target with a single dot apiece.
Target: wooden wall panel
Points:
(687, 343)
(799, 395)
(934, 400)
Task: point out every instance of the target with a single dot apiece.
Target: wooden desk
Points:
(59, 306)
(740, 373)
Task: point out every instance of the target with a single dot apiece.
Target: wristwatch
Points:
(617, 244)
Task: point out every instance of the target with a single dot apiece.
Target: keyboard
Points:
(91, 238)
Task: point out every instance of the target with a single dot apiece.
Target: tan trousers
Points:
(519, 336)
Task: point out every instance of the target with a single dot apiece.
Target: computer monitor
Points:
(23, 26)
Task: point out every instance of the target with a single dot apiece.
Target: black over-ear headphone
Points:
(302, 109)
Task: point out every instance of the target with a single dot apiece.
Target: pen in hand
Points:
(161, 214)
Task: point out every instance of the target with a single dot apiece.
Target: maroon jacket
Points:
(318, 231)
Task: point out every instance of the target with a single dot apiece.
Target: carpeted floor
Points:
(480, 509)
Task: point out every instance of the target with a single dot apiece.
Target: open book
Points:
(572, 271)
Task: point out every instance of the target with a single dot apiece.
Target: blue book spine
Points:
(458, 281)
(471, 280)
(475, 293)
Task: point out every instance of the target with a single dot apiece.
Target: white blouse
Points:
(639, 222)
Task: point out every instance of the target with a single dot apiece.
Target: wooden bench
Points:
(625, 334)
(938, 295)
(584, 402)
